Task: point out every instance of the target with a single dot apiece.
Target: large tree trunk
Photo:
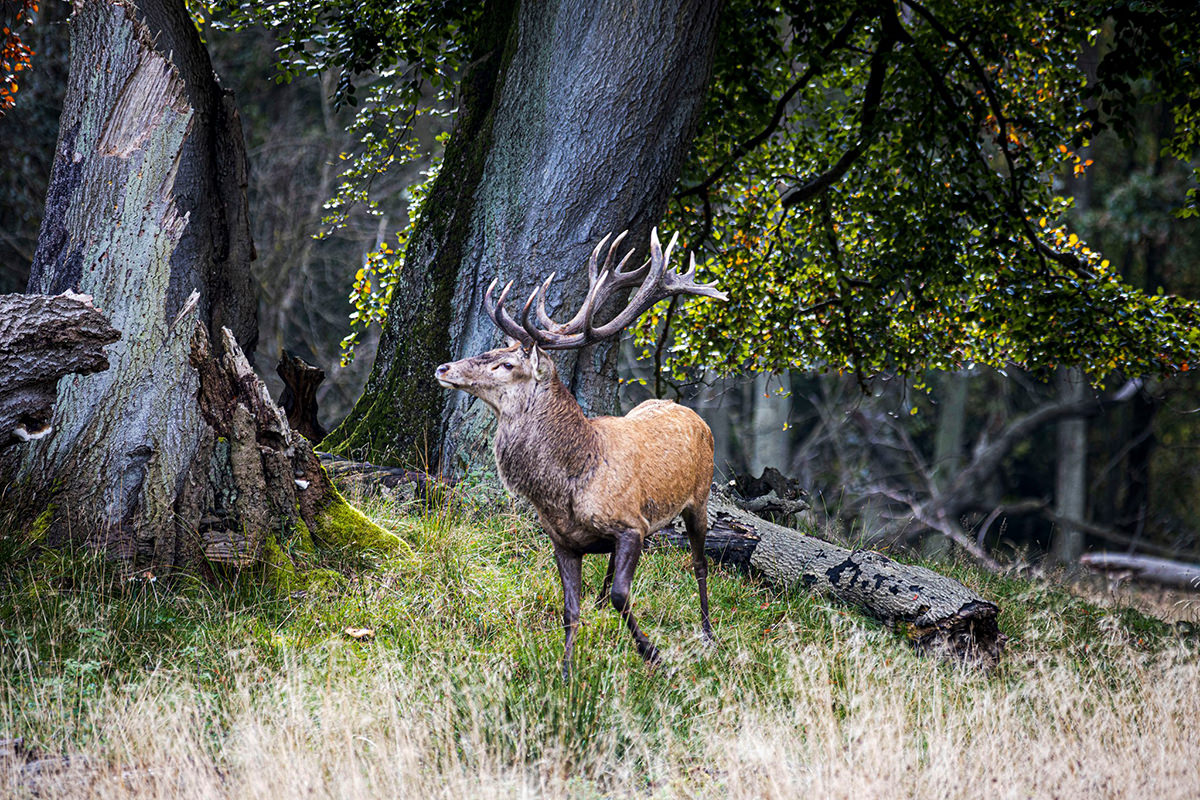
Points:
(574, 122)
(146, 212)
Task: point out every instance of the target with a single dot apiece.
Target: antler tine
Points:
(592, 271)
(686, 283)
(543, 318)
(670, 245)
(550, 340)
(533, 332)
(500, 316)
(612, 250)
(578, 322)
(631, 278)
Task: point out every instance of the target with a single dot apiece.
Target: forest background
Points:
(880, 456)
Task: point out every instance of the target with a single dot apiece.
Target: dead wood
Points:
(43, 338)
(1163, 571)
(936, 613)
(299, 397)
(363, 477)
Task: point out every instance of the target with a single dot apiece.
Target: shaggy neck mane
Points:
(546, 444)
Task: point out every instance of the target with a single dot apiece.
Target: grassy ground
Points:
(232, 692)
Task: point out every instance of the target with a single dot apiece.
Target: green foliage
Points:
(15, 53)
(880, 187)
(904, 209)
(371, 294)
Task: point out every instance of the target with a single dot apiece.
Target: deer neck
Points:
(547, 447)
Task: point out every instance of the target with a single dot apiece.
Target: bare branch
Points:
(872, 94)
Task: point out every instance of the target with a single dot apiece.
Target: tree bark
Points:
(574, 122)
(1070, 485)
(174, 444)
(936, 613)
(42, 339)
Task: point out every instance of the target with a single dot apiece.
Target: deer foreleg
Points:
(570, 570)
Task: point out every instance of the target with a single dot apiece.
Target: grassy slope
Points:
(235, 693)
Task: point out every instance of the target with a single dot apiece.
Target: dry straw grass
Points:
(879, 730)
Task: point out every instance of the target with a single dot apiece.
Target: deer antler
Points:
(655, 282)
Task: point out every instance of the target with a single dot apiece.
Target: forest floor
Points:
(118, 687)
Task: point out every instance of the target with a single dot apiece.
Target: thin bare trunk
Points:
(1070, 486)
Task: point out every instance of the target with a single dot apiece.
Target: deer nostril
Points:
(443, 369)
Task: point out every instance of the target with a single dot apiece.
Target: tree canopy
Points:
(880, 186)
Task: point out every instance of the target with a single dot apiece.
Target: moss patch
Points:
(342, 525)
(41, 524)
(282, 574)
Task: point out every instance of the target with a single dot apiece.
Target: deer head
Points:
(504, 376)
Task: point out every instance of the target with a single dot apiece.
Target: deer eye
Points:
(507, 365)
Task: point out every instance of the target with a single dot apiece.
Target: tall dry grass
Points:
(848, 723)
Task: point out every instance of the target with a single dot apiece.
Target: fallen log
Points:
(362, 476)
(936, 613)
(1146, 568)
(42, 338)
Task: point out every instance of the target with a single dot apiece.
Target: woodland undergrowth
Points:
(438, 676)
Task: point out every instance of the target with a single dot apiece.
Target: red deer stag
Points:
(600, 485)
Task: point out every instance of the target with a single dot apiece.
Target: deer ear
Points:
(510, 341)
(540, 363)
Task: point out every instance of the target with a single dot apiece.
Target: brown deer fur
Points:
(600, 485)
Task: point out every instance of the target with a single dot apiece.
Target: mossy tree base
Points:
(258, 490)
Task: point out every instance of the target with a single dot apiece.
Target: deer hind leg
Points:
(625, 560)
(570, 570)
(696, 522)
(602, 597)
